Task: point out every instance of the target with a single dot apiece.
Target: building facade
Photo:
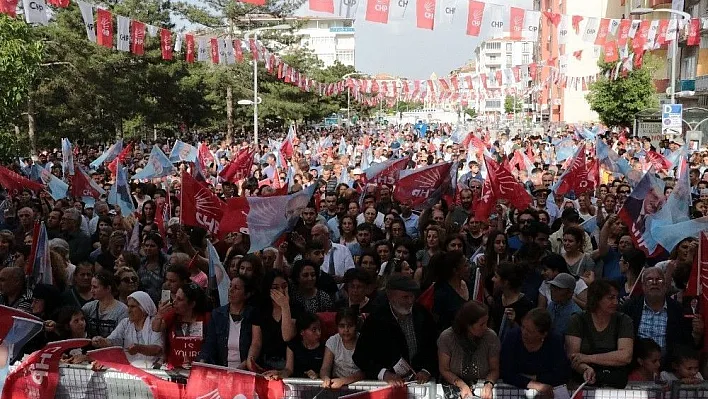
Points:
(330, 39)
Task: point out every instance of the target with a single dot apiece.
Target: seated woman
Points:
(469, 351)
(533, 357)
(599, 342)
(338, 368)
(305, 275)
(305, 353)
(232, 340)
(184, 321)
(357, 283)
(104, 312)
(510, 305)
(143, 346)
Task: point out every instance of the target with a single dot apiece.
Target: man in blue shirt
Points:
(562, 305)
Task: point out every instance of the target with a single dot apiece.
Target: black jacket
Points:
(382, 343)
(215, 347)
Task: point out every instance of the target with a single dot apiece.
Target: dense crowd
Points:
(364, 286)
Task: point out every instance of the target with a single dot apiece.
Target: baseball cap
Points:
(564, 281)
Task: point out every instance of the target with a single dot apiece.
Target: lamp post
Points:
(256, 100)
(349, 120)
(674, 44)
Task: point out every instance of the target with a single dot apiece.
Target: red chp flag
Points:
(38, 375)
(640, 37)
(505, 186)
(475, 14)
(8, 7)
(15, 183)
(200, 206)
(386, 172)
(377, 11)
(576, 177)
(166, 44)
(423, 186)
(104, 28)
(235, 217)
(694, 32)
(602, 32)
(137, 37)
(484, 205)
(389, 392)
(623, 32)
(6, 315)
(189, 45)
(59, 3)
(516, 22)
(128, 150)
(658, 161)
(322, 6)
(611, 54)
(240, 166)
(214, 50)
(209, 381)
(425, 14)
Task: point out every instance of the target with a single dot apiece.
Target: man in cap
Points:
(398, 340)
(562, 307)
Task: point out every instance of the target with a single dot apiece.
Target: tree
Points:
(513, 102)
(471, 112)
(618, 101)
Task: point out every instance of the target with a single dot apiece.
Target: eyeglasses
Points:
(652, 280)
(129, 280)
(623, 192)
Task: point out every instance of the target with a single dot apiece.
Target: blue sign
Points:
(672, 119)
(340, 29)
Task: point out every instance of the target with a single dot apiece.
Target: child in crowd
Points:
(304, 353)
(685, 367)
(647, 361)
(338, 368)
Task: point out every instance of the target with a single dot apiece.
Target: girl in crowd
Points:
(153, 267)
(104, 312)
(305, 275)
(647, 359)
(305, 354)
(684, 367)
(509, 304)
(338, 368)
(251, 268)
(451, 289)
(495, 252)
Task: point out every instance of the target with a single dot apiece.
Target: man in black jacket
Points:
(661, 318)
(398, 341)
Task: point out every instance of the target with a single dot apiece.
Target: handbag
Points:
(605, 376)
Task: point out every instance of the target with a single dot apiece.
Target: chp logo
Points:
(33, 5)
(517, 23)
(382, 5)
(429, 8)
(105, 26)
(450, 10)
(476, 19)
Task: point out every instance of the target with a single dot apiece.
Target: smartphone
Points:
(166, 296)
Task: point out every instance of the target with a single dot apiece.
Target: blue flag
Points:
(564, 149)
(183, 152)
(109, 155)
(218, 279)
(21, 332)
(158, 165)
(40, 260)
(56, 187)
(119, 193)
(342, 146)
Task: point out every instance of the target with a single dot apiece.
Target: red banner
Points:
(322, 6)
(238, 50)
(386, 172)
(422, 185)
(425, 14)
(602, 32)
(576, 23)
(38, 375)
(8, 7)
(200, 206)
(623, 32)
(575, 177)
(189, 44)
(475, 13)
(377, 11)
(640, 37)
(235, 217)
(15, 183)
(661, 32)
(104, 28)
(214, 50)
(611, 54)
(254, 2)
(166, 44)
(59, 3)
(516, 22)
(694, 34)
(505, 186)
(240, 166)
(137, 37)
(209, 381)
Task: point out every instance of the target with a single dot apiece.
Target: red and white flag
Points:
(137, 38)
(694, 34)
(189, 44)
(660, 162)
(611, 54)
(104, 28)
(322, 6)
(640, 38)
(661, 32)
(240, 166)
(425, 186)
(200, 206)
(8, 7)
(505, 186)
(592, 27)
(425, 14)
(475, 15)
(575, 178)
(623, 32)
(214, 50)
(516, 23)
(210, 382)
(166, 44)
(386, 172)
(602, 32)
(377, 11)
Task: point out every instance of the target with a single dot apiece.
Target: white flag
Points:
(152, 30)
(532, 20)
(508, 77)
(203, 51)
(230, 55)
(449, 9)
(496, 20)
(651, 35)
(591, 27)
(633, 29)
(35, 11)
(348, 8)
(623, 51)
(614, 25)
(563, 64)
(123, 42)
(398, 9)
(671, 30)
(222, 51)
(178, 43)
(87, 14)
(563, 29)
(704, 23)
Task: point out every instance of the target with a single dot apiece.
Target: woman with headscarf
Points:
(143, 346)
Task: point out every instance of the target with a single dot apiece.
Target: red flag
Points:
(137, 37)
(533, 70)
(214, 50)
(6, 315)
(189, 53)
(578, 54)
(240, 166)
(694, 34)
(81, 185)
(235, 217)
(199, 206)
(377, 11)
(661, 31)
(594, 172)
(423, 186)
(208, 381)
(38, 375)
(576, 23)
(505, 186)
(611, 54)
(389, 392)
(386, 172)
(658, 161)
(254, 2)
(58, 3)
(483, 206)
(322, 6)
(575, 178)
(555, 18)
(640, 37)
(602, 32)
(475, 14)
(238, 50)
(114, 357)
(286, 148)
(638, 60)
(425, 14)
(8, 7)
(104, 28)
(15, 183)
(127, 151)
(516, 22)
(623, 32)
(166, 44)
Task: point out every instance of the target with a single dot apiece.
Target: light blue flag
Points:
(344, 177)
(290, 178)
(218, 278)
(365, 159)
(109, 155)
(459, 135)
(158, 165)
(590, 225)
(564, 149)
(119, 193)
(57, 188)
(270, 217)
(342, 146)
(41, 262)
(183, 152)
(671, 236)
(21, 332)
(67, 157)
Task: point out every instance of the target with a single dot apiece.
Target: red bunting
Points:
(214, 50)
(661, 32)
(377, 11)
(611, 54)
(189, 43)
(532, 70)
(166, 44)
(516, 22)
(576, 23)
(474, 17)
(602, 32)
(425, 14)
(8, 7)
(640, 37)
(104, 28)
(137, 37)
(322, 6)
(254, 2)
(623, 32)
(238, 50)
(694, 34)
(59, 3)
(554, 18)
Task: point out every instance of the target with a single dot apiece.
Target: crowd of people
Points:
(365, 286)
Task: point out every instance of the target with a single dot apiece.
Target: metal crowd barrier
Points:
(81, 382)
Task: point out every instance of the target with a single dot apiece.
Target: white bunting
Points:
(348, 8)
(203, 50)
(651, 35)
(496, 20)
(531, 22)
(222, 51)
(87, 15)
(672, 30)
(623, 52)
(704, 23)
(563, 64)
(524, 73)
(614, 25)
(230, 54)
(123, 42)
(398, 9)
(508, 76)
(563, 29)
(591, 28)
(35, 11)
(448, 10)
(633, 29)
(152, 30)
(178, 42)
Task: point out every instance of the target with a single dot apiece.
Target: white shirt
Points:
(379, 221)
(341, 257)
(125, 336)
(234, 354)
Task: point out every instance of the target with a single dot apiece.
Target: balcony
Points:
(688, 85)
(701, 84)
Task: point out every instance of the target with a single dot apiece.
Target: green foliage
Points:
(12, 146)
(511, 102)
(471, 112)
(618, 101)
(20, 56)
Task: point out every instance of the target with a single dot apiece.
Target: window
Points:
(508, 47)
(526, 59)
(348, 23)
(323, 25)
(346, 57)
(493, 104)
(493, 46)
(526, 47)
(508, 60)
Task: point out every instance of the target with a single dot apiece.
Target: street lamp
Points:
(250, 102)
(256, 99)
(349, 121)
(674, 44)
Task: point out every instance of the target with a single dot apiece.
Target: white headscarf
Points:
(145, 302)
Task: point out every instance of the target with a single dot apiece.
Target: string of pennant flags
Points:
(623, 41)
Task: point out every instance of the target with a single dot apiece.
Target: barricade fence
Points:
(81, 382)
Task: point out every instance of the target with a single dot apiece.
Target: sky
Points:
(401, 49)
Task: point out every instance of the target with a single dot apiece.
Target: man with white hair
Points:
(79, 242)
(337, 258)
